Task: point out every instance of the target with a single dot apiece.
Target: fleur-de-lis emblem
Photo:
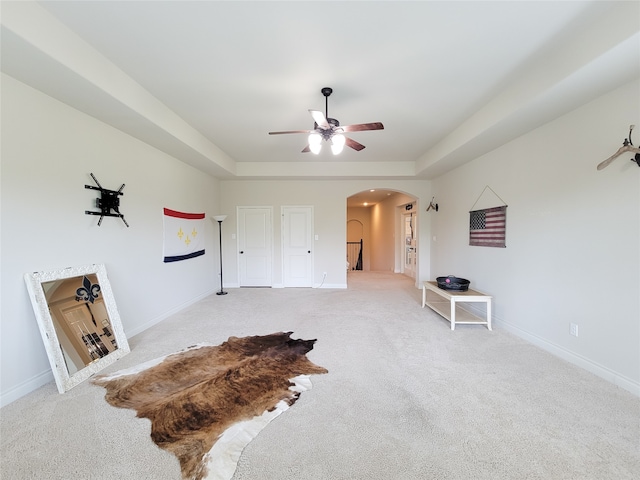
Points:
(180, 233)
(88, 292)
(187, 241)
(194, 233)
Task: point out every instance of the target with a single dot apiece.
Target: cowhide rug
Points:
(206, 403)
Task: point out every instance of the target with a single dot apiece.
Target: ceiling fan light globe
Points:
(338, 140)
(315, 139)
(337, 144)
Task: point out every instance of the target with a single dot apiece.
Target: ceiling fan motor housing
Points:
(329, 132)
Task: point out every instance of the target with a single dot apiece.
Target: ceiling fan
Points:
(329, 129)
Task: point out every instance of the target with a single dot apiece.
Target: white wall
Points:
(48, 151)
(329, 198)
(573, 236)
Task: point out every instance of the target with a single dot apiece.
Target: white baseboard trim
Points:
(332, 285)
(317, 285)
(574, 358)
(135, 331)
(26, 387)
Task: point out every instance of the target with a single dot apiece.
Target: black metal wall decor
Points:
(109, 203)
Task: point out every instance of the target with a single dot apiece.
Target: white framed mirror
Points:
(78, 320)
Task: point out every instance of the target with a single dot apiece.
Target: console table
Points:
(444, 302)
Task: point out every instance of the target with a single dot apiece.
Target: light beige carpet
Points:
(405, 398)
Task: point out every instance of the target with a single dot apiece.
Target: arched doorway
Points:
(383, 220)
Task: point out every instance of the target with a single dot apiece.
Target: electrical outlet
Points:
(573, 329)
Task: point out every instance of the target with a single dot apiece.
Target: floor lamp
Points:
(219, 219)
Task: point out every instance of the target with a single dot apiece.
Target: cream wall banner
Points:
(183, 235)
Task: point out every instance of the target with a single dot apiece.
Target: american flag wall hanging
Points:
(488, 227)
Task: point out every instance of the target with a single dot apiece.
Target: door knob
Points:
(308, 251)
(241, 252)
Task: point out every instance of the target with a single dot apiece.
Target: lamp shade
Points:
(219, 218)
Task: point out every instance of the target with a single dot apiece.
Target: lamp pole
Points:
(220, 219)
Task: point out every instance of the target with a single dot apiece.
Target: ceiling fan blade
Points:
(319, 118)
(306, 149)
(291, 131)
(362, 127)
(349, 142)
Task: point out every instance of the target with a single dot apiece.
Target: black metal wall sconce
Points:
(108, 203)
(432, 205)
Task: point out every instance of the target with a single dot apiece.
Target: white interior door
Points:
(255, 251)
(297, 246)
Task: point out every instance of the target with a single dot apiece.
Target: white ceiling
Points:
(206, 80)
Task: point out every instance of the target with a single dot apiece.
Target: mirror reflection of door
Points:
(409, 238)
(82, 326)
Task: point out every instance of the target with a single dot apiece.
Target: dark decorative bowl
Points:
(453, 283)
